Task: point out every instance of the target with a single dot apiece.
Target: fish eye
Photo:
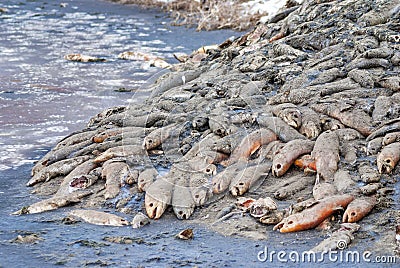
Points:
(151, 205)
(353, 214)
(290, 222)
(196, 196)
(278, 166)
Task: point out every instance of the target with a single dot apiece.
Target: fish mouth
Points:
(386, 166)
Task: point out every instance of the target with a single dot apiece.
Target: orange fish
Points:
(288, 154)
(250, 144)
(358, 209)
(313, 216)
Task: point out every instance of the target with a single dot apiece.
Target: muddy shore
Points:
(336, 61)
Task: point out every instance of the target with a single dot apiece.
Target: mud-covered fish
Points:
(388, 158)
(134, 151)
(353, 118)
(314, 215)
(114, 173)
(250, 144)
(310, 123)
(279, 127)
(391, 138)
(159, 196)
(326, 154)
(358, 209)
(182, 202)
(340, 238)
(53, 203)
(59, 168)
(248, 177)
(99, 217)
(289, 113)
(288, 154)
(158, 136)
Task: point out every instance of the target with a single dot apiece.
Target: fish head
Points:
(240, 187)
(220, 183)
(351, 215)
(289, 224)
(385, 165)
(154, 207)
(183, 212)
(151, 143)
(201, 195)
(279, 167)
(310, 130)
(140, 220)
(292, 117)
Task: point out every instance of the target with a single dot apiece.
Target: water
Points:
(44, 97)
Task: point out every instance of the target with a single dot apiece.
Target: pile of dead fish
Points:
(315, 90)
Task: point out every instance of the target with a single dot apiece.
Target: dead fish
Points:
(329, 123)
(358, 209)
(289, 113)
(75, 138)
(273, 217)
(323, 190)
(99, 217)
(250, 144)
(60, 168)
(362, 77)
(243, 203)
(228, 143)
(222, 180)
(100, 137)
(159, 196)
(53, 203)
(288, 154)
(140, 220)
(146, 178)
(135, 151)
(310, 123)
(340, 239)
(388, 127)
(114, 173)
(248, 177)
(314, 215)
(185, 234)
(200, 188)
(285, 132)
(158, 136)
(326, 154)
(262, 206)
(354, 118)
(388, 158)
(82, 58)
(269, 150)
(57, 155)
(182, 202)
(391, 138)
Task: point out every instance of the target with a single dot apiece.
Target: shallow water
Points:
(43, 98)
